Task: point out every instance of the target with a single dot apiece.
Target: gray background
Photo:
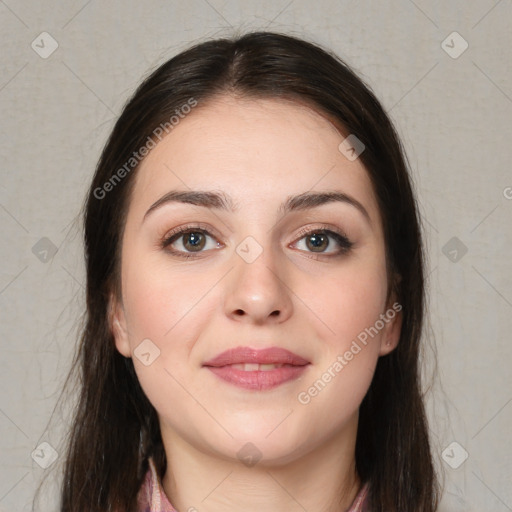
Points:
(452, 109)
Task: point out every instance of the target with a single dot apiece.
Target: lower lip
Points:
(258, 380)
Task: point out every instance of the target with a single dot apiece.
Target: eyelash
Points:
(339, 237)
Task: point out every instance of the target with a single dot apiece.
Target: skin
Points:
(314, 304)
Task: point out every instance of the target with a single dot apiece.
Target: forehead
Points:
(258, 151)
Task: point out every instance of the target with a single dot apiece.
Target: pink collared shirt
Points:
(152, 498)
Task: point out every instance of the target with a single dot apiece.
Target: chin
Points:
(258, 447)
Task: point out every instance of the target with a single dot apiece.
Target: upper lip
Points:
(272, 355)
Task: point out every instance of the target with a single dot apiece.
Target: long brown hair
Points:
(115, 428)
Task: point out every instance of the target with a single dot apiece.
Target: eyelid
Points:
(199, 226)
(320, 227)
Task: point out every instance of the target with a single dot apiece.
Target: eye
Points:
(318, 241)
(191, 239)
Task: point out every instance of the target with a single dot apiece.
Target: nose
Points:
(257, 291)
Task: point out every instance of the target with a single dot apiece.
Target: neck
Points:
(324, 479)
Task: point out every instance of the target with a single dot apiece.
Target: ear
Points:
(391, 332)
(117, 322)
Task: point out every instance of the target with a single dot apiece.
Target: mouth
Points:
(255, 367)
(257, 370)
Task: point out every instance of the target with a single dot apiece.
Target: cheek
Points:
(164, 307)
(348, 301)
(158, 300)
(349, 306)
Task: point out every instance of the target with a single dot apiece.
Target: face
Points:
(254, 270)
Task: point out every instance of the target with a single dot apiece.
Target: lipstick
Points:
(255, 369)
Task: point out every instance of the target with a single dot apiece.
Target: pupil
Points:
(194, 239)
(317, 239)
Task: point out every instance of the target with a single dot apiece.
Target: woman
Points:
(255, 295)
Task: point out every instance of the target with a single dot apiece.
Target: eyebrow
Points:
(222, 201)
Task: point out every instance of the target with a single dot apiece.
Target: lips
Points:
(257, 370)
(249, 356)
